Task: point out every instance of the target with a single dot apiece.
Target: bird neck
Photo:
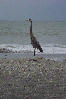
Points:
(31, 28)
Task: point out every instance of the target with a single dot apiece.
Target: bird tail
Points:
(40, 49)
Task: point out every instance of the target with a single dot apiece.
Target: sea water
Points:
(14, 35)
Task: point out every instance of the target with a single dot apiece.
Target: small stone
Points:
(11, 61)
(38, 79)
(9, 72)
(39, 64)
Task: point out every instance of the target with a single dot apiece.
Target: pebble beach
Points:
(32, 78)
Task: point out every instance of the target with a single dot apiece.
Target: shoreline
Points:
(55, 57)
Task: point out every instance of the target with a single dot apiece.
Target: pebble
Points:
(38, 69)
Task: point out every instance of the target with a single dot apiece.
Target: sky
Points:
(42, 10)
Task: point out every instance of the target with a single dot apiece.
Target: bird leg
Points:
(34, 52)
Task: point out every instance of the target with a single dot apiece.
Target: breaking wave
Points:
(47, 49)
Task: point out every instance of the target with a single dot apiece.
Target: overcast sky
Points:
(37, 9)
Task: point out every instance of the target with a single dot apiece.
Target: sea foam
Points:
(47, 49)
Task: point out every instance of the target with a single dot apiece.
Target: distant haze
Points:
(40, 10)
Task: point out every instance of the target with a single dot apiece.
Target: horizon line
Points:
(36, 20)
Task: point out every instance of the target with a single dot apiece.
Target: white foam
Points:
(47, 49)
(17, 47)
(54, 50)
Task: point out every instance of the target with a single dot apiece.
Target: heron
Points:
(34, 41)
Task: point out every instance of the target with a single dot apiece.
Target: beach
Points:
(32, 49)
(32, 77)
(25, 76)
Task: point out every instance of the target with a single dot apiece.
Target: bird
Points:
(34, 41)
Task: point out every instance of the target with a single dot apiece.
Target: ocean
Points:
(14, 35)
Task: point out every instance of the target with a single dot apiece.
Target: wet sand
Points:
(56, 57)
(32, 77)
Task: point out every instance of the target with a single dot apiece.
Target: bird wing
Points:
(35, 43)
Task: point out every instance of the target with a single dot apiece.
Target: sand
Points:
(32, 78)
